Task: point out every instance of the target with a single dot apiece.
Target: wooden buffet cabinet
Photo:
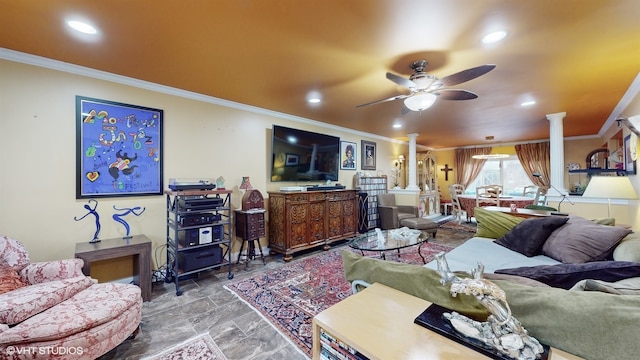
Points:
(308, 219)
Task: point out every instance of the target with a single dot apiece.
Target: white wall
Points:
(201, 139)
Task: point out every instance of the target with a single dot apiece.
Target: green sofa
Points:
(591, 324)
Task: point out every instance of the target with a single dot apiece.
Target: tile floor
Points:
(240, 332)
(205, 306)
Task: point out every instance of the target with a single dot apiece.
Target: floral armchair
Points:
(52, 310)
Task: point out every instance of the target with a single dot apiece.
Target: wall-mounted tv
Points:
(303, 156)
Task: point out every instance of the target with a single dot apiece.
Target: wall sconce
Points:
(399, 162)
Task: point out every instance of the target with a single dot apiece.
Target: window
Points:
(507, 172)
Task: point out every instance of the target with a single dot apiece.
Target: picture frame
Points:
(348, 155)
(118, 149)
(292, 160)
(629, 163)
(368, 155)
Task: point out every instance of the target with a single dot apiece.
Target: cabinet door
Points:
(342, 215)
(297, 222)
(334, 219)
(350, 216)
(277, 222)
(316, 222)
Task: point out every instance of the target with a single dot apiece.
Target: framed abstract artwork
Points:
(118, 149)
(348, 153)
(368, 155)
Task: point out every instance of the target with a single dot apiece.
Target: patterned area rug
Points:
(463, 226)
(291, 295)
(200, 347)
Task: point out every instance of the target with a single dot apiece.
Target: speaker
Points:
(198, 258)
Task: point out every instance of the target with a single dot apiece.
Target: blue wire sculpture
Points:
(127, 211)
(93, 212)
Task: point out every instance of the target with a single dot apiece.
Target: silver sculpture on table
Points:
(501, 332)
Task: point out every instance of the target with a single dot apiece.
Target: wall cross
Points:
(446, 170)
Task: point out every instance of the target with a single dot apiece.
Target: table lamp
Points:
(246, 184)
(617, 187)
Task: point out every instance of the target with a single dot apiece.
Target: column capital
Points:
(556, 116)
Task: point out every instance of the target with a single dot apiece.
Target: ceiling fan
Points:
(426, 88)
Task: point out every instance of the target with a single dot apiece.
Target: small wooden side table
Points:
(250, 228)
(139, 246)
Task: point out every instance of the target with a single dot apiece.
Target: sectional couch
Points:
(544, 268)
(558, 251)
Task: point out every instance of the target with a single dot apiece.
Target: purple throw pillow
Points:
(566, 275)
(528, 237)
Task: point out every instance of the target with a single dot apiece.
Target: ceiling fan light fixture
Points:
(420, 101)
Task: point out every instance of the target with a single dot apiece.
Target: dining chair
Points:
(532, 191)
(488, 195)
(542, 196)
(456, 209)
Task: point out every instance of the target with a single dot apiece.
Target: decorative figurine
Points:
(220, 183)
(127, 211)
(501, 332)
(93, 212)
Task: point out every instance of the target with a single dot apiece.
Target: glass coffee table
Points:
(390, 240)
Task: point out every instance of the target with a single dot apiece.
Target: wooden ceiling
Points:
(573, 56)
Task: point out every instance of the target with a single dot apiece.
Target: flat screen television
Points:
(303, 156)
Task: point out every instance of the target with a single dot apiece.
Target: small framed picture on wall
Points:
(368, 155)
(348, 155)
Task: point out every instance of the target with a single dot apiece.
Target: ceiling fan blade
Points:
(466, 75)
(401, 81)
(455, 94)
(383, 100)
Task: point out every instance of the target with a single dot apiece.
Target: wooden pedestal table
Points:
(378, 323)
(138, 246)
(250, 228)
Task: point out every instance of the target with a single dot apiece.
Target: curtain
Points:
(469, 168)
(535, 158)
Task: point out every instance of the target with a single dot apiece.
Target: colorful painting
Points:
(119, 149)
(348, 155)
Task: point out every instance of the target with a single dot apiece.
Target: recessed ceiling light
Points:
(397, 126)
(82, 27)
(528, 103)
(314, 97)
(494, 37)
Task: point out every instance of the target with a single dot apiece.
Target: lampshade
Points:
(246, 184)
(420, 101)
(610, 187)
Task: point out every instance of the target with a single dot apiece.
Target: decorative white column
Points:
(412, 163)
(556, 144)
